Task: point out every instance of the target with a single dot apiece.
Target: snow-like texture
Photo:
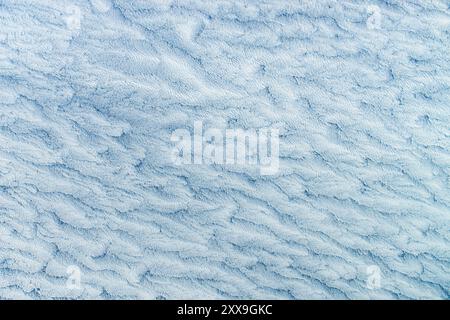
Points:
(91, 90)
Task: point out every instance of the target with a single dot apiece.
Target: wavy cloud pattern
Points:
(90, 92)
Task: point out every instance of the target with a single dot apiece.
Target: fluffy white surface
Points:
(87, 107)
